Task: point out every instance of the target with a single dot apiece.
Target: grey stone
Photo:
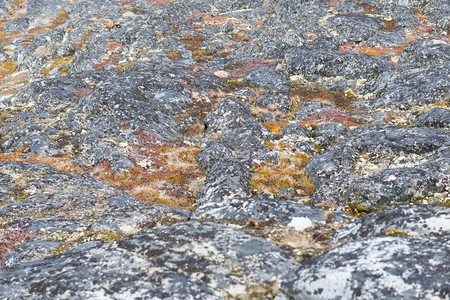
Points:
(213, 154)
(437, 117)
(387, 187)
(30, 251)
(333, 63)
(331, 130)
(411, 220)
(269, 78)
(295, 129)
(231, 113)
(226, 180)
(415, 87)
(405, 268)
(20, 25)
(185, 260)
(310, 108)
(283, 212)
(275, 102)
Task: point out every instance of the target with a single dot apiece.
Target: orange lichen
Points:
(62, 163)
(275, 126)
(165, 173)
(287, 173)
(6, 68)
(342, 100)
(56, 63)
(372, 51)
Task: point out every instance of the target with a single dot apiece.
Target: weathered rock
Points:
(331, 130)
(20, 25)
(269, 78)
(185, 260)
(403, 220)
(213, 154)
(275, 102)
(295, 129)
(279, 211)
(406, 268)
(94, 86)
(310, 108)
(387, 187)
(229, 115)
(339, 179)
(228, 179)
(414, 87)
(436, 117)
(333, 63)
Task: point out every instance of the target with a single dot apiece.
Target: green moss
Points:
(318, 148)
(396, 232)
(73, 239)
(236, 84)
(363, 209)
(308, 202)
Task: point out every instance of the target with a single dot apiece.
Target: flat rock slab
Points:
(405, 164)
(407, 220)
(285, 212)
(374, 268)
(194, 260)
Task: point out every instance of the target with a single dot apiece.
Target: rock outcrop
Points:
(186, 149)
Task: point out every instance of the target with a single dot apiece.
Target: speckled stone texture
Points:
(224, 149)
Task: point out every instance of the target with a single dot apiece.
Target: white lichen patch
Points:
(300, 223)
(407, 161)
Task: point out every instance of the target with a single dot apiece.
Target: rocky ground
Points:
(227, 149)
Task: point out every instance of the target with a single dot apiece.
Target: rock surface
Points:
(224, 149)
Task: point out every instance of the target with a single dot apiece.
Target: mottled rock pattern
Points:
(227, 262)
(125, 125)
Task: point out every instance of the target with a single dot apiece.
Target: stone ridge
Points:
(227, 149)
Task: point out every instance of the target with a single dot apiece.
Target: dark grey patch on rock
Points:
(3, 56)
(306, 147)
(332, 131)
(269, 78)
(98, 154)
(39, 145)
(295, 129)
(414, 87)
(387, 187)
(230, 114)
(425, 52)
(18, 24)
(354, 27)
(399, 268)
(337, 163)
(309, 108)
(44, 7)
(262, 209)
(336, 180)
(410, 219)
(397, 140)
(437, 117)
(186, 260)
(333, 63)
(213, 154)
(227, 179)
(30, 251)
(275, 102)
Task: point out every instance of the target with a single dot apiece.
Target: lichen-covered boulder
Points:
(346, 172)
(262, 209)
(403, 220)
(185, 260)
(227, 179)
(437, 117)
(374, 268)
